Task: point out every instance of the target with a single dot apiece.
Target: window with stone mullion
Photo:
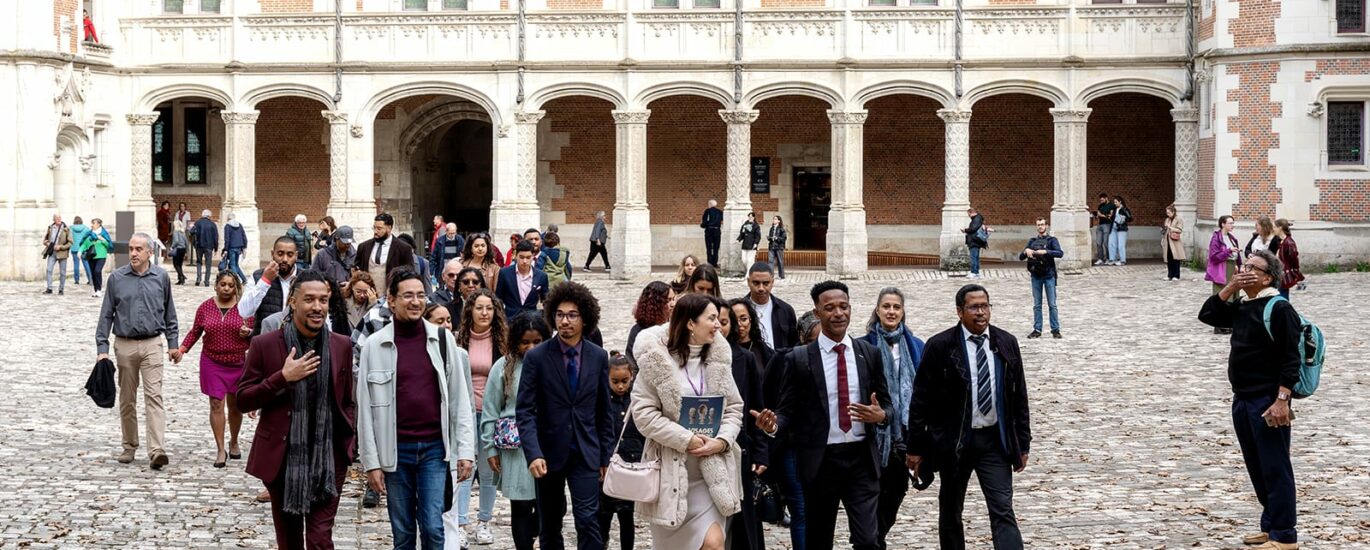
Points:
(1350, 15)
(173, 6)
(453, 4)
(209, 6)
(1346, 132)
(416, 5)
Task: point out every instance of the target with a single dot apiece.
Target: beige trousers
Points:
(141, 360)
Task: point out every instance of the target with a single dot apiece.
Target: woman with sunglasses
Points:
(468, 281)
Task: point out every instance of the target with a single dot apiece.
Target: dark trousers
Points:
(596, 248)
(178, 259)
(583, 481)
(745, 531)
(794, 498)
(712, 237)
(97, 273)
(523, 523)
(1266, 453)
(848, 477)
(313, 531)
(1172, 266)
(985, 456)
(894, 484)
(203, 271)
(610, 507)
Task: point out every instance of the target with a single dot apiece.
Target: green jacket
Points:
(514, 480)
(98, 241)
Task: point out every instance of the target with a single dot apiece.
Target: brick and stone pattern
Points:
(904, 164)
(1254, 179)
(1132, 448)
(291, 6)
(1254, 24)
(1206, 194)
(1012, 158)
(582, 169)
(687, 152)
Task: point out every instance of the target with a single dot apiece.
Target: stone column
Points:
(515, 200)
(1070, 211)
(1187, 171)
(739, 202)
(240, 181)
(630, 240)
(140, 183)
(352, 185)
(951, 242)
(846, 248)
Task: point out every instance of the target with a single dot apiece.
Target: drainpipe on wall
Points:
(337, 51)
(959, 17)
(522, 37)
(737, 52)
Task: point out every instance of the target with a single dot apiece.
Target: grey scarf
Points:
(900, 378)
(309, 464)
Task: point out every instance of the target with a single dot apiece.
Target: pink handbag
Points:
(633, 481)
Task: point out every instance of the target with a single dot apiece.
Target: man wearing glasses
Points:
(969, 413)
(1263, 368)
(564, 417)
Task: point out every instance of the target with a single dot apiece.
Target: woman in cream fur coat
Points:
(700, 481)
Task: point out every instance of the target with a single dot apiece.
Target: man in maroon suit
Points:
(308, 417)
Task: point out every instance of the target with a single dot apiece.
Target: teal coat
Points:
(514, 480)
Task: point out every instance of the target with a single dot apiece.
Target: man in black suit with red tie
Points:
(838, 460)
(969, 413)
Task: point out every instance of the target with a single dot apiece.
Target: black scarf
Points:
(309, 468)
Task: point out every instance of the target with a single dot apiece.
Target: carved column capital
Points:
(240, 117)
(631, 117)
(954, 116)
(529, 117)
(1185, 114)
(1071, 115)
(847, 117)
(335, 117)
(739, 117)
(142, 119)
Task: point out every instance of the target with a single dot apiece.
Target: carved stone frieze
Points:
(240, 117)
(631, 117)
(847, 117)
(1070, 115)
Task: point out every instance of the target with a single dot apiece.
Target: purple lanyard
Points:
(698, 390)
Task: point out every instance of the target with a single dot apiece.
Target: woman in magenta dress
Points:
(221, 360)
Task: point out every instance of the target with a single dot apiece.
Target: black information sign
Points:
(761, 175)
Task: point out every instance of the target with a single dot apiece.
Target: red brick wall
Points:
(1206, 21)
(1206, 194)
(408, 104)
(291, 6)
(786, 120)
(687, 154)
(292, 159)
(1254, 179)
(1335, 67)
(67, 8)
(1341, 201)
(1131, 152)
(905, 180)
(1255, 23)
(1012, 158)
(586, 169)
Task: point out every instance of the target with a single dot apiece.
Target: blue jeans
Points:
(1266, 453)
(795, 499)
(61, 275)
(1117, 246)
(487, 492)
(414, 494)
(1049, 285)
(235, 255)
(975, 260)
(77, 264)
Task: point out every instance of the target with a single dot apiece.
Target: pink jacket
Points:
(1219, 254)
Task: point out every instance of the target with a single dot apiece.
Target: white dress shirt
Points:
(763, 319)
(853, 389)
(252, 298)
(978, 420)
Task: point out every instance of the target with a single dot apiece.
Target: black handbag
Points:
(770, 507)
(100, 386)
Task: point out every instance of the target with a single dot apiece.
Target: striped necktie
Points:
(983, 392)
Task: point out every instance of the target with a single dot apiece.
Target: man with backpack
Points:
(1041, 253)
(1263, 367)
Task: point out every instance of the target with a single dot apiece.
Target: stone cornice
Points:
(335, 117)
(1284, 50)
(951, 116)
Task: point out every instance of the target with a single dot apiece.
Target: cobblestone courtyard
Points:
(1132, 449)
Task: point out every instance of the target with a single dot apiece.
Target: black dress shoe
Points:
(1035, 334)
(1056, 334)
(371, 499)
(48, 291)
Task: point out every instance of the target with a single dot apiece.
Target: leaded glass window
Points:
(1350, 15)
(195, 144)
(173, 6)
(161, 147)
(1346, 132)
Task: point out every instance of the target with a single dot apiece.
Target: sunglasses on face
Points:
(471, 282)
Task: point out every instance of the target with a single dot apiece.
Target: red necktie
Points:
(843, 401)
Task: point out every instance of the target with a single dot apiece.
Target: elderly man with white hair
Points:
(206, 244)
(447, 247)
(303, 242)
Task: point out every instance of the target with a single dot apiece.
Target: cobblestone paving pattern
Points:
(1130, 412)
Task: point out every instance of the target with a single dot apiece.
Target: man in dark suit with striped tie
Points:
(969, 413)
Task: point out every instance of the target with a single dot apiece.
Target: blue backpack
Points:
(1311, 350)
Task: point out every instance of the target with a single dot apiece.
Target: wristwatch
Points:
(1283, 396)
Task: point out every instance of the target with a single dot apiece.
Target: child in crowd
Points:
(629, 448)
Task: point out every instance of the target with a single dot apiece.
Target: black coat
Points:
(803, 410)
(976, 223)
(939, 413)
(550, 416)
(747, 376)
(401, 255)
(784, 324)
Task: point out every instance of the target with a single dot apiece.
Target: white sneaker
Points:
(461, 538)
(1099, 262)
(483, 535)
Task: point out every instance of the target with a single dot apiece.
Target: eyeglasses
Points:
(1249, 267)
(572, 316)
(978, 308)
(450, 276)
(412, 296)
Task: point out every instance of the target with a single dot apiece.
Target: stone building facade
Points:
(869, 126)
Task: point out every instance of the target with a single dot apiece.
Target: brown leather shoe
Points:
(1259, 538)
(159, 459)
(264, 496)
(1275, 545)
(127, 456)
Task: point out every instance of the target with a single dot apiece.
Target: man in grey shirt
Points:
(598, 235)
(139, 310)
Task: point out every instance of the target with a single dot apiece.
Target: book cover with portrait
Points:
(702, 415)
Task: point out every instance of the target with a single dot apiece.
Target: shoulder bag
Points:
(632, 481)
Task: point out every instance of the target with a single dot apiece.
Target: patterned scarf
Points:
(900, 378)
(309, 473)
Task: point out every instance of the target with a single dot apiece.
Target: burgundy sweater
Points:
(418, 411)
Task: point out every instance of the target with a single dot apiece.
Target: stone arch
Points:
(568, 89)
(433, 117)
(1133, 85)
(1028, 87)
(156, 97)
(391, 95)
(723, 97)
(807, 89)
(69, 167)
(272, 91)
(909, 87)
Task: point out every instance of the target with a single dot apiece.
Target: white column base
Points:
(1071, 228)
(847, 246)
(512, 217)
(359, 215)
(730, 250)
(953, 255)
(630, 242)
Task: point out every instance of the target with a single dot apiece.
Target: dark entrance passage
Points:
(459, 182)
(812, 199)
